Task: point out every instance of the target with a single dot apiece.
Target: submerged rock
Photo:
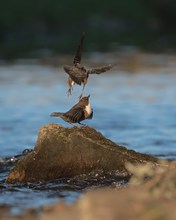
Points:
(70, 152)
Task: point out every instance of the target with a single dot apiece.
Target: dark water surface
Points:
(135, 110)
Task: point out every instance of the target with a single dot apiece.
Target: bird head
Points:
(84, 100)
(67, 68)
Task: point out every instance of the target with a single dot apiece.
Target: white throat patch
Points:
(88, 109)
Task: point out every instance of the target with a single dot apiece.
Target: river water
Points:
(134, 110)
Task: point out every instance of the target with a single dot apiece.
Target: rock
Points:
(70, 152)
(151, 200)
(155, 199)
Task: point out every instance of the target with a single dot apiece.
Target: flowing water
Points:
(134, 110)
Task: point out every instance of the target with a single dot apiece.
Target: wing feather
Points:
(77, 58)
(76, 114)
(101, 69)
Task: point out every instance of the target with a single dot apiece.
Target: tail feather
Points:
(56, 114)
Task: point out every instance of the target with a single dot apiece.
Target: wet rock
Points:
(69, 152)
(151, 200)
(155, 199)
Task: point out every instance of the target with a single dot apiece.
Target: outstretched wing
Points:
(75, 114)
(101, 69)
(77, 58)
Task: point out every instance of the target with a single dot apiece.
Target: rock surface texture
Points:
(70, 152)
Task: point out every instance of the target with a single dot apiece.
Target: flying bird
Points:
(79, 112)
(79, 74)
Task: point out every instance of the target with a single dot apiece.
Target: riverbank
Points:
(127, 59)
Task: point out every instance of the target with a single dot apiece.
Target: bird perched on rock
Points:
(79, 74)
(79, 112)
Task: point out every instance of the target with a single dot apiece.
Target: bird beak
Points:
(88, 96)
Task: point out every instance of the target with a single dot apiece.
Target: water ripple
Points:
(135, 110)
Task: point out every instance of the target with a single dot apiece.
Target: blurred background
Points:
(134, 103)
(40, 28)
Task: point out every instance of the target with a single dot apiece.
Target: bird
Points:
(79, 74)
(79, 112)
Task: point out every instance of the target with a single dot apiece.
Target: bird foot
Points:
(81, 124)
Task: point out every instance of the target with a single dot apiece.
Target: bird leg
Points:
(82, 92)
(81, 124)
(69, 91)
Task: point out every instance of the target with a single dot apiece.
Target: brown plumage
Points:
(79, 74)
(79, 112)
